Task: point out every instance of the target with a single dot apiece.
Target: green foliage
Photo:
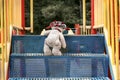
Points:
(46, 11)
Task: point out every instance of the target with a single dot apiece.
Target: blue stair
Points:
(83, 59)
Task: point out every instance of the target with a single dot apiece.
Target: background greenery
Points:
(46, 11)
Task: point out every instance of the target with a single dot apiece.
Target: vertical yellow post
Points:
(10, 17)
(0, 43)
(2, 33)
(108, 21)
(84, 16)
(95, 12)
(102, 12)
(105, 18)
(9, 21)
(116, 38)
(119, 38)
(112, 32)
(99, 11)
(31, 15)
(5, 31)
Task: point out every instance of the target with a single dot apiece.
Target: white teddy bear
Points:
(55, 39)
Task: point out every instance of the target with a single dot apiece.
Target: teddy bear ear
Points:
(63, 26)
(48, 27)
(54, 21)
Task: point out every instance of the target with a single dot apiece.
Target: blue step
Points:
(28, 65)
(72, 78)
(75, 44)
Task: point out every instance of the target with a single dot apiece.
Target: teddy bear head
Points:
(58, 25)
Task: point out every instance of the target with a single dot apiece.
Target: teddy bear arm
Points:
(62, 39)
(47, 32)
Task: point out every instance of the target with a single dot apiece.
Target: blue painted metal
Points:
(110, 64)
(59, 66)
(75, 44)
(64, 78)
(83, 59)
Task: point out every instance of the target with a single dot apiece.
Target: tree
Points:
(46, 11)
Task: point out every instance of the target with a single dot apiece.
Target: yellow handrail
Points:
(105, 18)
(8, 52)
(108, 20)
(31, 15)
(9, 43)
(2, 46)
(112, 32)
(119, 36)
(10, 4)
(116, 38)
(84, 15)
(5, 30)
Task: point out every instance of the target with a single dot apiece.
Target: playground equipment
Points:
(83, 58)
(105, 13)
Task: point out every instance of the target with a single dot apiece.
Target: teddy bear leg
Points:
(47, 50)
(56, 51)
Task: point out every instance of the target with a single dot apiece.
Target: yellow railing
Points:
(84, 15)
(2, 66)
(6, 20)
(8, 52)
(31, 15)
(108, 19)
(6, 32)
(5, 57)
(112, 33)
(99, 30)
(17, 30)
(116, 38)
